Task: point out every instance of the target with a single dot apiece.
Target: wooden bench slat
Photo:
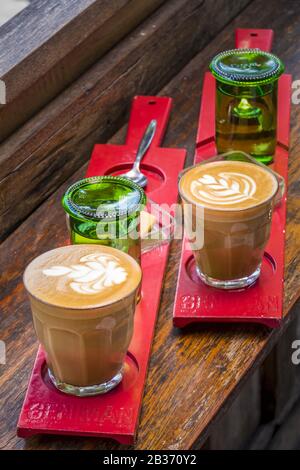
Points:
(51, 42)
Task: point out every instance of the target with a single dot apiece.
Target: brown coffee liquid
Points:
(83, 300)
(237, 200)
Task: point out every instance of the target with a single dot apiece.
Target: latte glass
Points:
(83, 301)
(228, 204)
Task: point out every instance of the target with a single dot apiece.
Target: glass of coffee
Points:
(83, 299)
(105, 210)
(228, 204)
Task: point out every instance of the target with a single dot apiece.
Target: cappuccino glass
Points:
(105, 210)
(83, 300)
(228, 204)
(246, 101)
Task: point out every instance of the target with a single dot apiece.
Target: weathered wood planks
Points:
(51, 42)
(53, 144)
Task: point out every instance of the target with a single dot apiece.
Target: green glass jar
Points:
(105, 210)
(246, 101)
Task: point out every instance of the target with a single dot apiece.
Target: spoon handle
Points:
(145, 143)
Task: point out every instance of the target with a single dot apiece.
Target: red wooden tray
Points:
(262, 302)
(115, 414)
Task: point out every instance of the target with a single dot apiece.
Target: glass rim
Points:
(106, 215)
(94, 307)
(221, 209)
(244, 80)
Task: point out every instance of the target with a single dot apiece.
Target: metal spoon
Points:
(135, 174)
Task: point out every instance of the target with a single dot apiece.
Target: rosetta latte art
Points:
(94, 273)
(225, 188)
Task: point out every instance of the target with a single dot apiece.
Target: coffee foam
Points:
(228, 185)
(82, 276)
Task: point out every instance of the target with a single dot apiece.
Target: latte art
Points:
(94, 273)
(227, 185)
(224, 188)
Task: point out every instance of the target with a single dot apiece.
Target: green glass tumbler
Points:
(105, 210)
(246, 101)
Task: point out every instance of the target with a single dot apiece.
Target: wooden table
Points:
(194, 374)
(69, 36)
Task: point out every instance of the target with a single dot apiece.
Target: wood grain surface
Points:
(194, 374)
(52, 145)
(52, 42)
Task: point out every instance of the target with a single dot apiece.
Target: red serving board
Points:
(115, 414)
(262, 302)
